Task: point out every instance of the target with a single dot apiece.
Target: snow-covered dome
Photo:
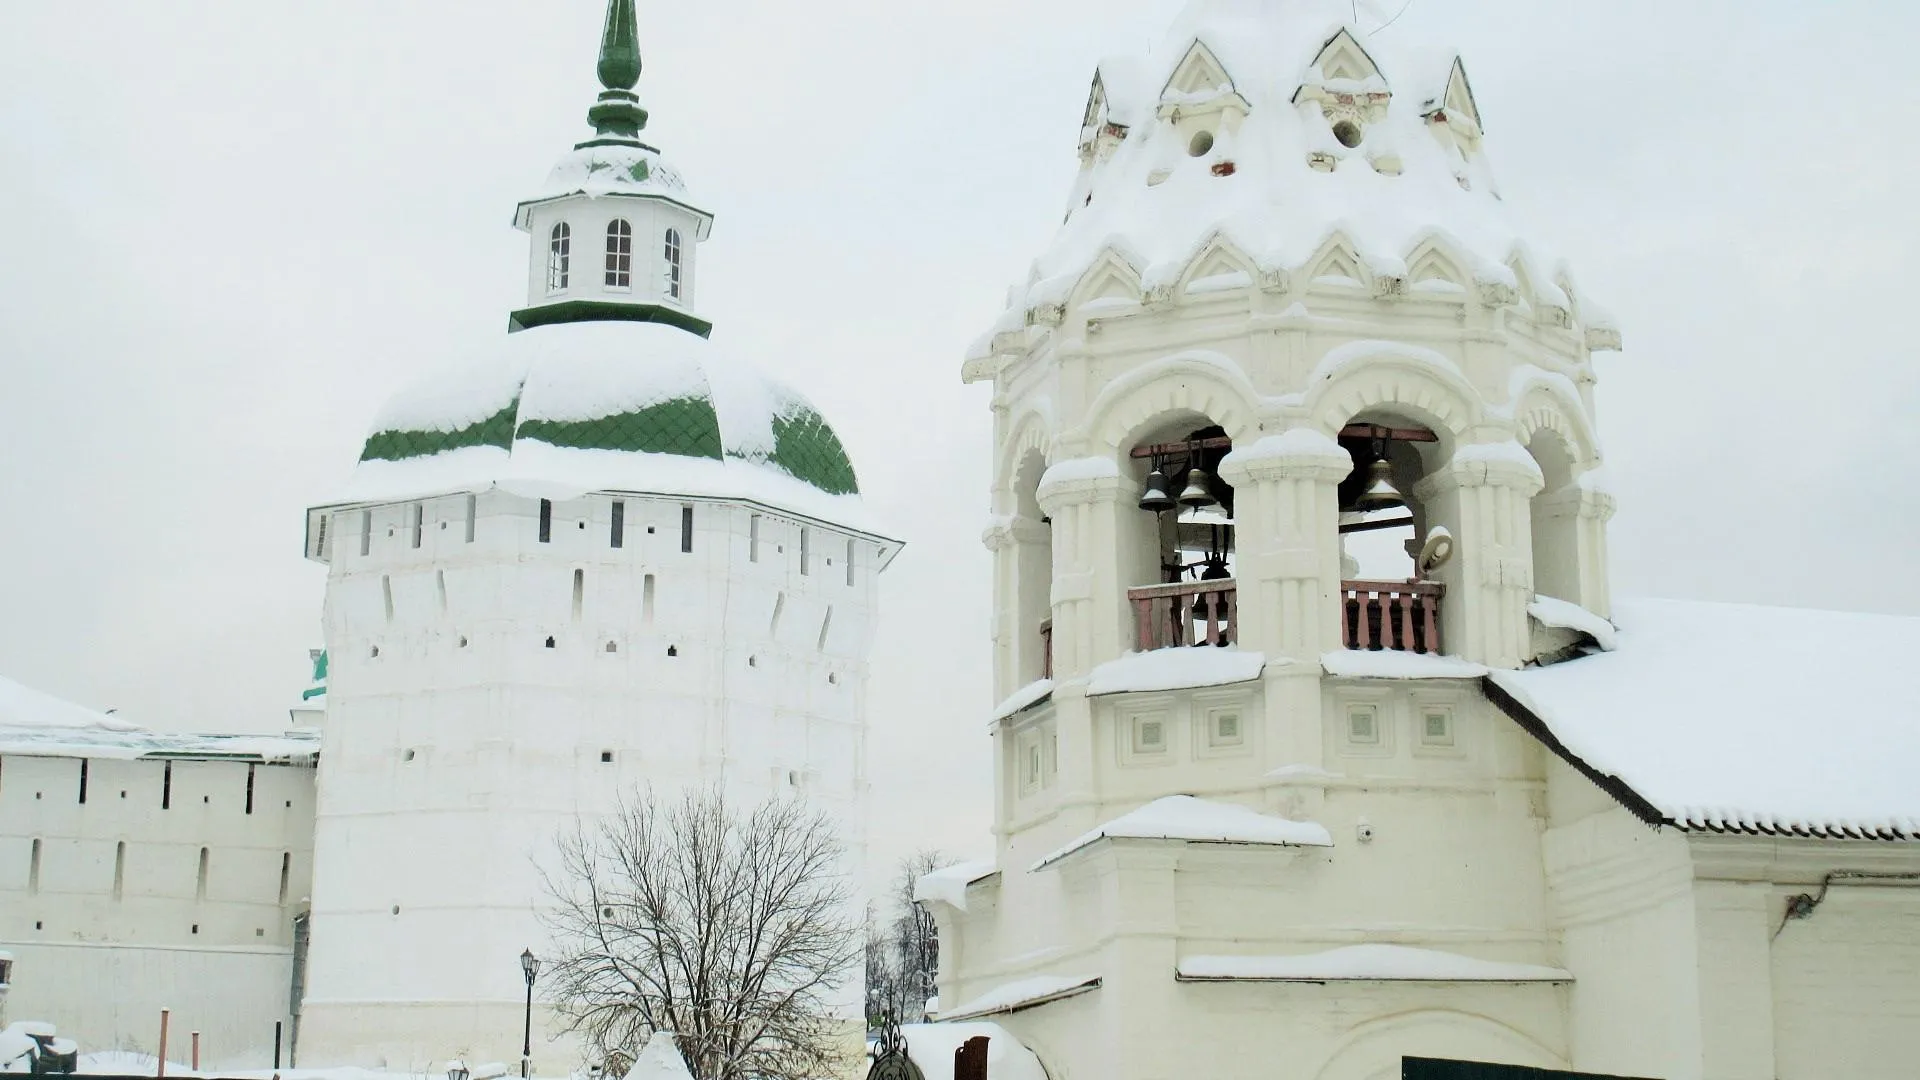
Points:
(564, 410)
(1285, 134)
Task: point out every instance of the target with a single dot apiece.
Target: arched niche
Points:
(1555, 519)
(1374, 1050)
(1388, 599)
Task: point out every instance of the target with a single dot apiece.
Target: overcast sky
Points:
(236, 226)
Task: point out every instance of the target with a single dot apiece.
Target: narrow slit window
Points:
(559, 257)
(849, 560)
(286, 872)
(686, 529)
(83, 781)
(779, 607)
(440, 589)
(473, 515)
(546, 521)
(619, 255)
(579, 593)
(120, 870)
(826, 627)
(419, 523)
(166, 787)
(33, 868)
(366, 532)
(753, 538)
(250, 769)
(806, 550)
(617, 534)
(673, 264)
(200, 879)
(646, 600)
(386, 595)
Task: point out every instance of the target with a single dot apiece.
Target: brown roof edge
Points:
(1533, 725)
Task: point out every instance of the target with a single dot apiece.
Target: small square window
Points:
(1034, 761)
(1226, 728)
(1436, 727)
(1149, 736)
(1363, 724)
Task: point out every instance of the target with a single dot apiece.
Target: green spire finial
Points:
(620, 47)
(618, 117)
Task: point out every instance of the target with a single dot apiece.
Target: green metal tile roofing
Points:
(616, 387)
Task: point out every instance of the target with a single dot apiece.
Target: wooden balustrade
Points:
(1403, 616)
(1186, 613)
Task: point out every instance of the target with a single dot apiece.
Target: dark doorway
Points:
(1430, 1069)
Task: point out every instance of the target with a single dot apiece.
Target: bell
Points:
(1156, 500)
(1197, 495)
(1380, 494)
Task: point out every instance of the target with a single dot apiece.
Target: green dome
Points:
(608, 406)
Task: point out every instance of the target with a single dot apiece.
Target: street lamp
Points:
(530, 967)
(457, 1070)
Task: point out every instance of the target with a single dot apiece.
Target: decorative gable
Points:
(1220, 267)
(1348, 86)
(1100, 134)
(1200, 84)
(1454, 117)
(1343, 60)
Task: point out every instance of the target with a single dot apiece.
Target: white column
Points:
(1482, 496)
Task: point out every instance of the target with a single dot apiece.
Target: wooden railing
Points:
(1403, 616)
(1186, 613)
(1046, 649)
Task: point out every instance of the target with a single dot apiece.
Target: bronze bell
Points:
(1156, 500)
(1380, 494)
(1198, 494)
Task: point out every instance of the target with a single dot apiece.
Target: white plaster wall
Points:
(109, 997)
(589, 218)
(449, 768)
(117, 924)
(1846, 987)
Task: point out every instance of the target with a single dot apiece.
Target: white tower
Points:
(1286, 315)
(602, 558)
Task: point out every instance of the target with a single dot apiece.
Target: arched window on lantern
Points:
(674, 281)
(619, 254)
(1391, 542)
(559, 257)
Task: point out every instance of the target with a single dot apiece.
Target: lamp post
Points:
(530, 967)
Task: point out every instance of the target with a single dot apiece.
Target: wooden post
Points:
(161, 1073)
(196, 1051)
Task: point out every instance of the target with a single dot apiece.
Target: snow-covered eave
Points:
(889, 546)
(1046, 991)
(523, 213)
(34, 742)
(1367, 963)
(1506, 695)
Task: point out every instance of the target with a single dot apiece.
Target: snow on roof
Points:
(1729, 717)
(1024, 698)
(1394, 664)
(931, 1046)
(1175, 669)
(574, 408)
(33, 724)
(1564, 615)
(1364, 963)
(661, 1060)
(1158, 206)
(22, 707)
(1022, 994)
(1183, 817)
(613, 169)
(949, 883)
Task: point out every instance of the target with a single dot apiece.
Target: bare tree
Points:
(903, 947)
(730, 930)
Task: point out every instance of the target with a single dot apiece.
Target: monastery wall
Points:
(173, 884)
